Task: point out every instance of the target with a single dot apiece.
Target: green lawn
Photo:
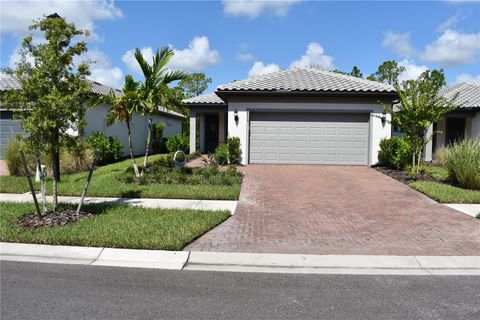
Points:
(446, 193)
(436, 171)
(105, 184)
(115, 226)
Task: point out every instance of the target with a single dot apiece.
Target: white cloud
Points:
(465, 77)
(196, 57)
(16, 16)
(450, 22)
(254, 8)
(129, 59)
(314, 56)
(102, 69)
(245, 56)
(399, 43)
(259, 68)
(412, 70)
(453, 48)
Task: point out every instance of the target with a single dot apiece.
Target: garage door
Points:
(309, 138)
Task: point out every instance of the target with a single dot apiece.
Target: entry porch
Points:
(208, 128)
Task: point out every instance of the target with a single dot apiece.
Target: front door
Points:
(455, 130)
(211, 132)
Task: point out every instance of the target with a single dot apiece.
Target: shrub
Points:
(178, 142)
(109, 149)
(395, 152)
(221, 154)
(440, 155)
(75, 159)
(12, 157)
(157, 141)
(233, 150)
(462, 160)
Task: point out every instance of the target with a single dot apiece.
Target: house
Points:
(458, 124)
(96, 120)
(295, 116)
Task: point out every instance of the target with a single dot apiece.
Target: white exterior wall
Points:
(96, 121)
(240, 129)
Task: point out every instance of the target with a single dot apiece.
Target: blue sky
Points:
(231, 40)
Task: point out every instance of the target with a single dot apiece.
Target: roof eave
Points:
(304, 93)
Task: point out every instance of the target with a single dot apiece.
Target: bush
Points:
(462, 160)
(221, 154)
(233, 150)
(12, 157)
(178, 142)
(109, 149)
(75, 159)
(157, 141)
(395, 153)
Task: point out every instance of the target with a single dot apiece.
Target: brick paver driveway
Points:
(338, 210)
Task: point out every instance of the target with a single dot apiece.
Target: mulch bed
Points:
(52, 219)
(402, 176)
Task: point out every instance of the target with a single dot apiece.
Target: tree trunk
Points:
(55, 153)
(42, 185)
(30, 184)
(85, 189)
(149, 140)
(130, 149)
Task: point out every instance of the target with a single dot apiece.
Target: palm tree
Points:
(154, 89)
(122, 108)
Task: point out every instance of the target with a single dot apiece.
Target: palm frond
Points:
(146, 68)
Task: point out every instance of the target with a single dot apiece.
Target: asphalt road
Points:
(52, 291)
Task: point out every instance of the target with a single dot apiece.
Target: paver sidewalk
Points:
(135, 202)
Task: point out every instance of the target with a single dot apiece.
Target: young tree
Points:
(53, 89)
(420, 105)
(356, 72)
(122, 108)
(388, 72)
(193, 85)
(155, 91)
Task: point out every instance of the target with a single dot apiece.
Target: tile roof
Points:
(307, 80)
(468, 94)
(209, 98)
(8, 82)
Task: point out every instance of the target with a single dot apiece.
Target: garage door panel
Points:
(309, 138)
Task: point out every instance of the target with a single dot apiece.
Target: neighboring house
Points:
(298, 115)
(96, 120)
(458, 124)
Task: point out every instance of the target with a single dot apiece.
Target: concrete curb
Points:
(134, 202)
(243, 262)
(470, 209)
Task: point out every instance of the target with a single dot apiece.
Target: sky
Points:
(233, 40)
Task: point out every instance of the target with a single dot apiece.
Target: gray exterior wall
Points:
(9, 128)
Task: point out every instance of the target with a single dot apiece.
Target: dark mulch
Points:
(402, 176)
(52, 219)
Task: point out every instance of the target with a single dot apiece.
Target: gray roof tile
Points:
(209, 98)
(307, 79)
(8, 82)
(468, 94)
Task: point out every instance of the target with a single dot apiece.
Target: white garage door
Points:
(309, 138)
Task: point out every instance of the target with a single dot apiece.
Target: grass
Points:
(115, 226)
(105, 184)
(438, 172)
(446, 193)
